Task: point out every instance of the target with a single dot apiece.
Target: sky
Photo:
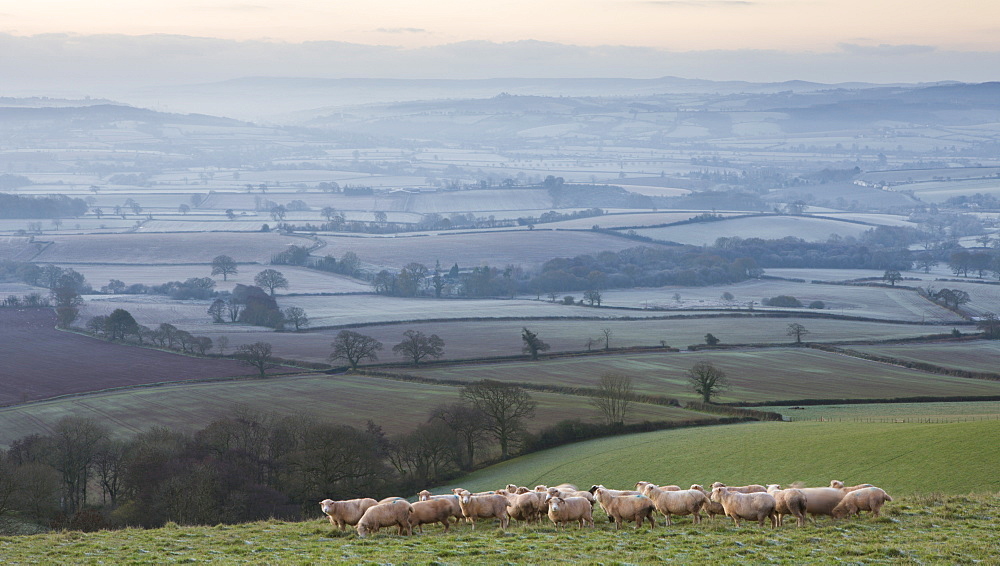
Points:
(90, 45)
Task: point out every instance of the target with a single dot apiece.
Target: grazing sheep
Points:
(388, 499)
(711, 508)
(752, 488)
(686, 502)
(346, 512)
(452, 499)
(527, 507)
(755, 506)
(636, 508)
(837, 484)
(865, 499)
(821, 500)
(395, 512)
(788, 502)
(431, 511)
(566, 493)
(483, 506)
(615, 492)
(562, 511)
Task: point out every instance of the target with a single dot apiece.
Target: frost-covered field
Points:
(164, 248)
(767, 227)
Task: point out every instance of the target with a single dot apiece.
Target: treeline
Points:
(58, 206)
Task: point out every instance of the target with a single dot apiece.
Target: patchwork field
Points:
(768, 227)
(164, 248)
(41, 362)
(397, 406)
(623, 220)
(527, 248)
(754, 375)
(981, 355)
(884, 454)
(905, 412)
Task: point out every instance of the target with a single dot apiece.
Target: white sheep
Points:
(837, 484)
(681, 502)
(527, 507)
(451, 498)
(566, 493)
(621, 508)
(711, 508)
(346, 512)
(788, 502)
(755, 506)
(752, 488)
(483, 506)
(562, 511)
(821, 500)
(396, 512)
(864, 499)
(431, 511)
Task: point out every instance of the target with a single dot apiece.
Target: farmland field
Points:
(983, 297)
(631, 219)
(345, 399)
(767, 227)
(164, 248)
(527, 248)
(755, 375)
(885, 454)
(300, 279)
(981, 355)
(940, 412)
(872, 302)
(41, 362)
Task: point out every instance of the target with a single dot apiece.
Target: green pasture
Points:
(902, 458)
(912, 530)
(915, 412)
(395, 405)
(980, 355)
(755, 375)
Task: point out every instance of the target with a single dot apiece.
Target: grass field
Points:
(395, 405)
(164, 248)
(963, 411)
(767, 227)
(527, 248)
(873, 302)
(981, 355)
(755, 375)
(902, 458)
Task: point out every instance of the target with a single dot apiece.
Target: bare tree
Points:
(707, 380)
(468, 423)
(353, 347)
(797, 330)
(222, 344)
(613, 397)
(296, 316)
(257, 355)
(225, 266)
(606, 333)
(506, 406)
(75, 446)
(417, 346)
(892, 275)
(271, 279)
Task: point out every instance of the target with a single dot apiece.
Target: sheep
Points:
(640, 486)
(865, 499)
(711, 508)
(346, 512)
(389, 499)
(788, 502)
(431, 511)
(565, 493)
(452, 499)
(821, 500)
(615, 492)
(395, 512)
(562, 511)
(483, 506)
(526, 507)
(837, 484)
(755, 506)
(626, 507)
(686, 502)
(752, 488)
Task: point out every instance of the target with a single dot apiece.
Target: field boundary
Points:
(909, 364)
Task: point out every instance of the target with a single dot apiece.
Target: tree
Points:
(271, 279)
(225, 266)
(184, 209)
(296, 316)
(707, 380)
(75, 443)
(606, 333)
(222, 343)
(797, 330)
(989, 323)
(468, 423)
(256, 355)
(891, 275)
(120, 324)
(532, 343)
(353, 347)
(328, 212)
(278, 212)
(593, 297)
(217, 310)
(613, 397)
(417, 346)
(506, 406)
(711, 340)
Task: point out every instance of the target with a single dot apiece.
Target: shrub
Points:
(782, 301)
(817, 305)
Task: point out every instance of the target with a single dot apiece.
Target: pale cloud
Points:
(698, 3)
(885, 49)
(401, 30)
(241, 8)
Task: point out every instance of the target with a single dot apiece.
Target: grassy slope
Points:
(914, 530)
(901, 458)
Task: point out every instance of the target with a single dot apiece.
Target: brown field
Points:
(41, 362)
(755, 375)
(526, 248)
(473, 339)
(164, 248)
(352, 400)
